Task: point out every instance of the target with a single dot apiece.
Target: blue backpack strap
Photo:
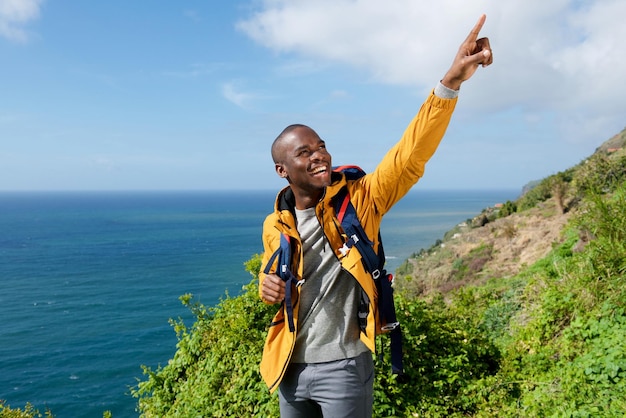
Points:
(356, 236)
(283, 254)
(374, 264)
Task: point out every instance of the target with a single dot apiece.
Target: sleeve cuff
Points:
(445, 93)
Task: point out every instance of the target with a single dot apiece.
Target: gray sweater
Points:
(328, 327)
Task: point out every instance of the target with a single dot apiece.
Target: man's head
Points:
(300, 156)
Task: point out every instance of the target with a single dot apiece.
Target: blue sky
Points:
(163, 95)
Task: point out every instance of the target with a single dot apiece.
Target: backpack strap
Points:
(283, 254)
(374, 264)
(346, 214)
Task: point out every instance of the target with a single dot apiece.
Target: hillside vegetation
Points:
(519, 312)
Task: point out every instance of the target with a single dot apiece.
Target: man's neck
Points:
(307, 200)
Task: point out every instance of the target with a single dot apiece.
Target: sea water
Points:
(89, 281)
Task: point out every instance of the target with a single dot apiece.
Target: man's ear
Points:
(280, 170)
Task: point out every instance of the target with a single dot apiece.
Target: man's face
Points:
(305, 162)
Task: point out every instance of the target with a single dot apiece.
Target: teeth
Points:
(319, 170)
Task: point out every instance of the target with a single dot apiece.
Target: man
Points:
(316, 353)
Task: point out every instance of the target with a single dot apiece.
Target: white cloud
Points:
(14, 14)
(339, 94)
(565, 57)
(194, 70)
(192, 15)
(232, 94)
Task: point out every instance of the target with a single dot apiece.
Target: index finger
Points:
(473, 35)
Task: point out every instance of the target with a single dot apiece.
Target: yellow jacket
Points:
(372, 196)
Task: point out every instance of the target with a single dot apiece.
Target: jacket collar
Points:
(286, 200)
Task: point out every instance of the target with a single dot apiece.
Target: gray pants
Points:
(337, 389)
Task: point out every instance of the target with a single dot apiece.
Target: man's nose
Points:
(318, 155)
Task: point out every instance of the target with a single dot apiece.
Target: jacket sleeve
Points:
(404, 163)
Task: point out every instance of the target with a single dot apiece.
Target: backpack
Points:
(372, 261)
(374, 264)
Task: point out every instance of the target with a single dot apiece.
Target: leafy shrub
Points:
(29, 411)
(600, 173)
(214, 371)
(565, 354)
(443, 353)
(604, 218)
(508, 208)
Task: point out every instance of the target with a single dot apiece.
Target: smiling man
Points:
(301, 157)
(318, 350)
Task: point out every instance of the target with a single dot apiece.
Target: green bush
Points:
(214, 371)
(604, 217)
(548, 342)
(443, 353)
(565, 354)
(29, 411)
(600, 173)
(507, 209)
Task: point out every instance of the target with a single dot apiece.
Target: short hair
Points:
(275, 151)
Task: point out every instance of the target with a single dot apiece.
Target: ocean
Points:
(89, 280)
